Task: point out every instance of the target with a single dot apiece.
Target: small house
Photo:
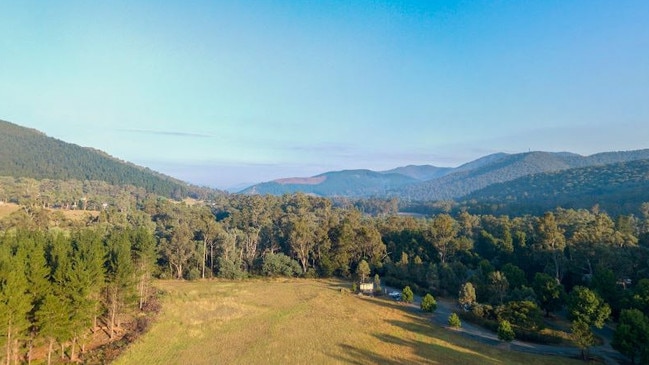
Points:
(367, 288)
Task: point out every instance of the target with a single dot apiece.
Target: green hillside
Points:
(356, 183)
(501, 168)
(618, 187)
(421, 172)
(29, 153)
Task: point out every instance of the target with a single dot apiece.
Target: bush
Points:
(193, 274)
(377, 284)
(520, 333)
(428, 303)
(407, 296)
(454, 321)
(524, 314)
(279, 265)
(505, 331)
(229, 269)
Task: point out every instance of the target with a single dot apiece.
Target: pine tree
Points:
(144, 251)
(15, 301)
(51, 320)
(407, 296)
(428, 303)
(60, 254)
(454, 321)
(120, 278)
(37, 273)
(88, 259)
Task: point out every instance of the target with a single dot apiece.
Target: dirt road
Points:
(445, 307)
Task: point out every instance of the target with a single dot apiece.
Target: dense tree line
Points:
(501, 268)
(57, 288)
(27, 153)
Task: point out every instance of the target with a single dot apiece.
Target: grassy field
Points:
(74, 215)
(300, 322)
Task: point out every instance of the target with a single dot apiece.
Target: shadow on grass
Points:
(447, 346)
(355, 355)
(423, 348)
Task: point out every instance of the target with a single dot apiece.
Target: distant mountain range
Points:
(430, 183)
(526, 182)
(26, 152)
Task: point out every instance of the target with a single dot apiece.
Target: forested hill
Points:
(356, 183)
(501, 168)
(616, 188)
(29, 153)
(430, 183)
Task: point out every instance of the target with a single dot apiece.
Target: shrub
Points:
(478, 311)
(467, 296)
(229, 269)
(428, 303)
(521, 334)
(279, 265)
(193, 274)
(377, 284)
(524, 314)
(407, 295)
(454, 321)
(505, 331)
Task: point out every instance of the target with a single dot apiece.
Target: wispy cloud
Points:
(167, 133)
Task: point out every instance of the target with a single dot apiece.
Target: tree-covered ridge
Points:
(28, 153)
(429, 183)
(616, 188)
(502, 168)
(354, 183)
(421, 172)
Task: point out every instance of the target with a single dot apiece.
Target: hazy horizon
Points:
(230, 93)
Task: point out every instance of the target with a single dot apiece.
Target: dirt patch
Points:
(7, 208)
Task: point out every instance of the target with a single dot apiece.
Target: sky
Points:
(230, 93)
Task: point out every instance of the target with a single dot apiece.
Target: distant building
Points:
(367, 288)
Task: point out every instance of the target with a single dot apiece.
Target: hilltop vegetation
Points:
(27, 153)
(616, 188)
(360, 183)
(428, 183)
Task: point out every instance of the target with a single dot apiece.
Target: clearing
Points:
(7, 208)
(301, 321)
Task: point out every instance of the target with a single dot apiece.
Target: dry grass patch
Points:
(7, 208)
(300, 322)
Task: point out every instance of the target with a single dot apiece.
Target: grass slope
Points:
(300, 322)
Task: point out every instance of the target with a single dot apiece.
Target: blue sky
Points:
(221, 93)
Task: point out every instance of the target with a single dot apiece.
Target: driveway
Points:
(447, 306)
